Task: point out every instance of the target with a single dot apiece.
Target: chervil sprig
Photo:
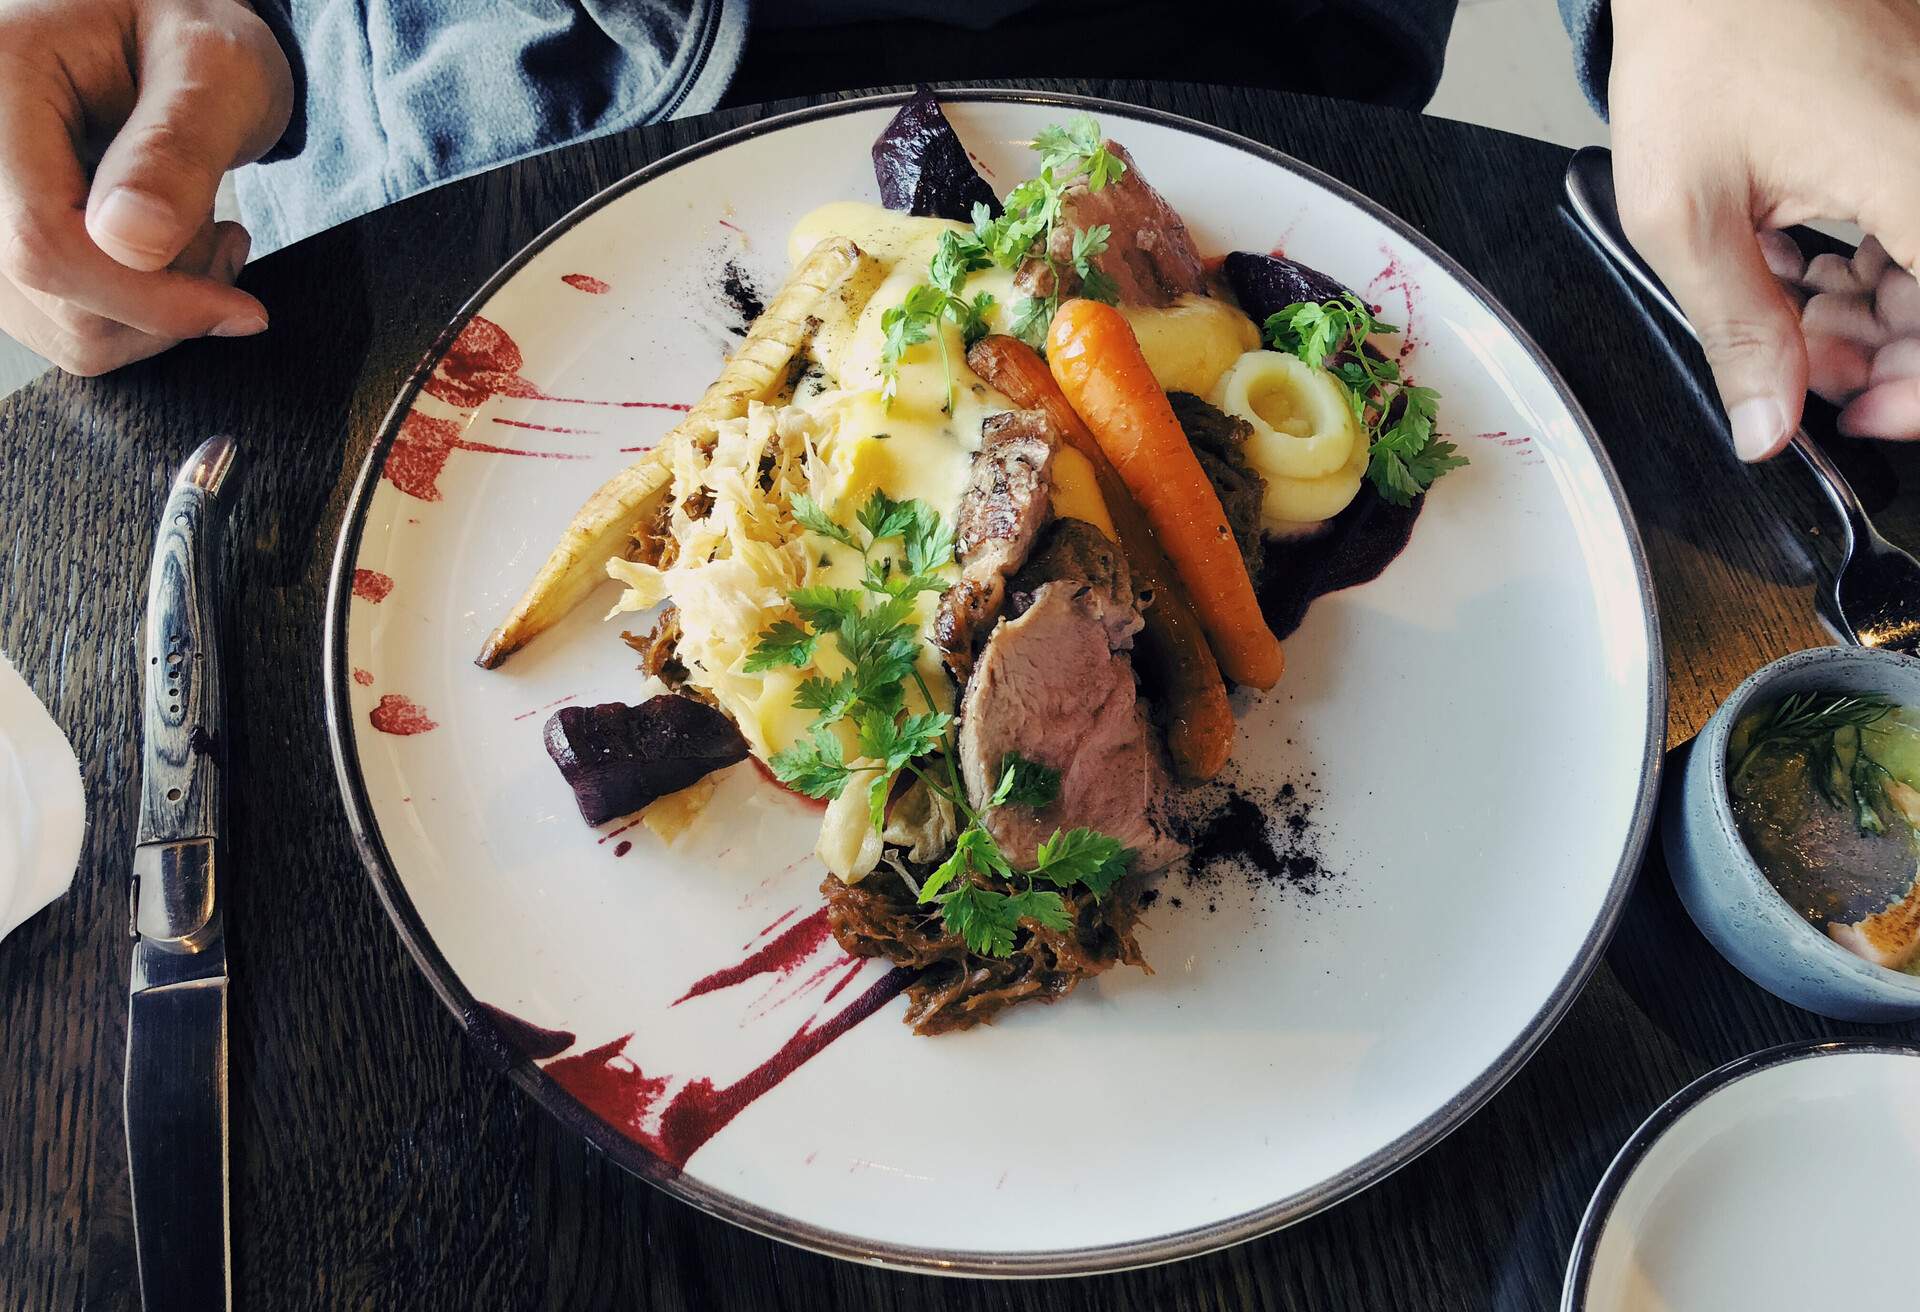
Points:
(1404, 455)
(979, 894)
(1069, 154)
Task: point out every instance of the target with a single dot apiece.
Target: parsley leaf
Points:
(1059, 144)
(902, 326)
(1099, 286)
(974, 852)
(928, 540)
(958, 254)
(1071, 154)
(1031, 318)
(1042, 906)
(1404, 456)
(894, 742)
(984, 918)
(883, 577)
(816, 766)
(784, 644)
(1082, 856)
(883, 517)
(815, 520)
(825, 608)
(1088, 245)
(832, 698)
(1025, 783)
(987, 919)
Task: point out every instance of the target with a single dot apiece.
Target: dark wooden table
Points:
(381, 1164)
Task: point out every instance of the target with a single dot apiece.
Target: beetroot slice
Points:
(923, 169)
(1268, 284)
(618, 758)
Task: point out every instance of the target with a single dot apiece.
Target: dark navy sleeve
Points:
(1590, 24)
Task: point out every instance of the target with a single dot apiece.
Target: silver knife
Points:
(176, 1090)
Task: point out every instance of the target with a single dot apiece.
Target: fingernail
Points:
(137, 221)
(241, 325)
(1758, 425)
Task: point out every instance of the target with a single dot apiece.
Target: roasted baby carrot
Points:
(1095, 358)
(1172, 648)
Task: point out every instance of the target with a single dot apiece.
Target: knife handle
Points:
(176, 1107)
(180, 711)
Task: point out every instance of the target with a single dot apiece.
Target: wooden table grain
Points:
(380, 1163)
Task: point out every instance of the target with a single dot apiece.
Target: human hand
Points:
(161, 98)
(1861, 319)
(1715, 139)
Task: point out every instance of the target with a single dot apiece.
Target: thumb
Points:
(1706, 250)
(209, 99)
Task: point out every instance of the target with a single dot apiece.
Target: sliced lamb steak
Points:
(1007, 502)
(1149, 254)
(1056, 685)
(1072, 550)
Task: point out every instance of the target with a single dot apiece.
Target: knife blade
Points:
(176, 1085)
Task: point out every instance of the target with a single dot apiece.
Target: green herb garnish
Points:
(1069, 155)
(905, 544)
(1827, 728)
(1802, 719)
(1404, 456)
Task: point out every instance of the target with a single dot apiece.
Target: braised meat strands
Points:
(957, 989)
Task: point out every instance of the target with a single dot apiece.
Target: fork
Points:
(1875, 593)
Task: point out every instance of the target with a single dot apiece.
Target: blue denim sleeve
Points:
(396, 96)
(1590, 24)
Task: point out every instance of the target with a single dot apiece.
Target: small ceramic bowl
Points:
(1724, 890)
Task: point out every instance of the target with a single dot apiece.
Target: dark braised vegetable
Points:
(1267, 284)
(1219, 443)
(923, 169)
(618, 758)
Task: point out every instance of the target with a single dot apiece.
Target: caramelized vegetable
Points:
(1093, 356)
(1172, 648)
(601, 528)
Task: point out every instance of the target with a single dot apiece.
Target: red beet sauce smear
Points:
(399, 715)
(371, 585)
(615, 1088)
(1363, 540)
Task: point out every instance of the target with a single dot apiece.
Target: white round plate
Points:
(1482, 724)
(1782, 1181)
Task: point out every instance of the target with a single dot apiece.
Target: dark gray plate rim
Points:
(1586, 1240)
(483, 1031)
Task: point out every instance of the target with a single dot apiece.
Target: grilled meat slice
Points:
(1072, 550)
(1007, 502)
(1149, 254)
(1054, 686)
